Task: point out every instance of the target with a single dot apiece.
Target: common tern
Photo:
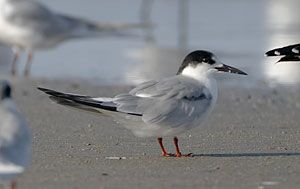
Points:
(162, 108)
(15, 138)
(31, 26)
(289, 53)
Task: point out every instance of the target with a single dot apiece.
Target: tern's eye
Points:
(205, 60)
(209, 60)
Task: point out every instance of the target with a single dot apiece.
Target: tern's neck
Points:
(203, 74)
(200, 72)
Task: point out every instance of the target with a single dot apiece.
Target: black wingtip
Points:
(47, 91)
(55, 93)
(42, 89)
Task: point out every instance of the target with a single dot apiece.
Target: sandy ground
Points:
(252, 141)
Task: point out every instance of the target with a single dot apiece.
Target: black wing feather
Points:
(287, 50)
(81, 102)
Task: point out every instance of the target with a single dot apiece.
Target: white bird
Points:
(289, 53)
(15, 138)
(162, 108)
(30, 26)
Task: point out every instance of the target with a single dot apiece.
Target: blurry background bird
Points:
(30, 26)
(15, 138)
(289, 53)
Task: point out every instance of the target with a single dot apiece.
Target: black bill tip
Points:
(230, 69)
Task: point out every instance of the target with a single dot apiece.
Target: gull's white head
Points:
(202, 63)
(5, 90)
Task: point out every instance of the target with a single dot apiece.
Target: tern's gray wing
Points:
(171, 102)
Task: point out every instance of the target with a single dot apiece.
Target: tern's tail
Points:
(87, 103)
(82, 28)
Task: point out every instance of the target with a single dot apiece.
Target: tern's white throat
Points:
(198, 72)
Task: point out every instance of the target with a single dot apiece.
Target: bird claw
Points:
(169, 155)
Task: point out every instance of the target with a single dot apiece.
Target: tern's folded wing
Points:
(171, 102)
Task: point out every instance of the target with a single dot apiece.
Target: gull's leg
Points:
(16, 52)
(164, 152)
(14, 185)
(28, 64)
(178, 153)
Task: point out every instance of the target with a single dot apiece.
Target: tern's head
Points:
(5, 90)
(203, 63)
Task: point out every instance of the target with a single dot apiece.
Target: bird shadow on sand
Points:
(254, 154)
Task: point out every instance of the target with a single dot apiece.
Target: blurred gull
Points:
(29, 25)
(15, 140)
(161, 108)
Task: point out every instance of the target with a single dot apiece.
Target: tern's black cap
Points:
(5, 89)
(197, 57)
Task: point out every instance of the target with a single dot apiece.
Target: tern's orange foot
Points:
(169, 155)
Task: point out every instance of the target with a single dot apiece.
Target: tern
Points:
(15, 138)
(289, 53)
(163, 108)
(30, 26)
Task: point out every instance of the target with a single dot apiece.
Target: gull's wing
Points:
(34, 17)
(290, 50)
(31, 15)
(79, 27)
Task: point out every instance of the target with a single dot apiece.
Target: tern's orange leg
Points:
(178, 153)
(14, 185)
(163, 150)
